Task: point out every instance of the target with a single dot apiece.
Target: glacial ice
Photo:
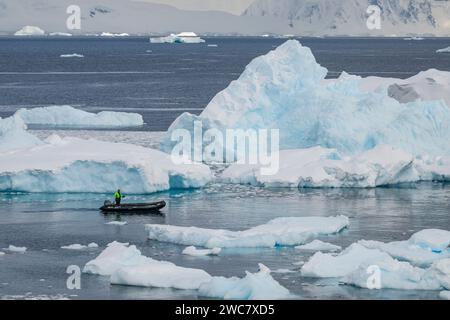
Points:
(2, 253)
(12, 248)
(443, 50)
(14, 135)
(193, 251)
(286, 89)
(254, 286)
(277, 232)
(318, 245)
(183, 37)
(72, 55)
(76, 165)
(127, 266)
(112, 35)
(117, 223)
(30, 31)
(60, 116)
(77, 246)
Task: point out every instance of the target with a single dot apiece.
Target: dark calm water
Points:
(161, 81)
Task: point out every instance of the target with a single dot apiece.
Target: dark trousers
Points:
(118, 201)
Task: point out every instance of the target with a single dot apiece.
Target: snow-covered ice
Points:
(12, 248)
(76, 165)
(277, 232)
(14, 135)
(254, 286)
(193, 251)
(72, 55)
(318, 245)
(59, 116)
(183, 37)
(117, 223)
(30, 31)
(286, 90)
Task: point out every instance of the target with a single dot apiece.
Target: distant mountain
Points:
(300, 17)
(348, 17)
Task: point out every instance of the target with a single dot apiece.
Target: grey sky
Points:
(232, 6)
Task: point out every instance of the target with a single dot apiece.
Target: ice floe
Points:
(60, 34)
(15, 249)
(72, 55)
(112, 35)
(77, 165)
(126, 265)
(60, 116)
(318, 245)
(183, 37)
(286, 90)
(30, 31)
(193, 251)
(254, 286)
(277, 232)
(443, 50)
(77, 246)
(117, 223)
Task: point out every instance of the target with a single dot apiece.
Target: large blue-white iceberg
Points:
(286, 90)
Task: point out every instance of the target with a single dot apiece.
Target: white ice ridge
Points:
(421, 263)
(76, 165)
(183, 37)
(193, 251)
(72, 55)
(30, 31)
(127, 266)
(69, 116)
(277, 232)
(320, 167)
(14, 135)
(286, 90)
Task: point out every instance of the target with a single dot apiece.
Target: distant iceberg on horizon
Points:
(183, 37)
(30, 31)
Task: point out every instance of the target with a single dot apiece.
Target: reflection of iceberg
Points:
(30, 31)
(184, 37)
(67, 116)
(286, 90)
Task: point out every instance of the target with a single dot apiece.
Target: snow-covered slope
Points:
(349, 16)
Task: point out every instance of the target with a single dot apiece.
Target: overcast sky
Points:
(232, 6)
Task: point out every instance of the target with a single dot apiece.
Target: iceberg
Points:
(277, 232)
(12, 248)
(60, 34)
(183, 37)
(66, 116)
(286, 90)
(30, 31)
(71, 55)
(110, 34)
(14, 135)
(76, 165)
(443, 50)
(422, 249)
(318, 245)
(125, 265)
(193, 251)
(77, 246)
(117, 223)
(254, 286)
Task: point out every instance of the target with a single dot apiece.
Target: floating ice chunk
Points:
(72, 55)
(318, 245)
(193, 251)
(74, 247)
(68, 116)
(13, 135)
(254, 286)
(422, 249)
(2, 253)
(393, 274)
(327, 265)
(76, 165)
(30, 31)
(117, 223)
(286, 89)
(445, 295)
(127, 266)
(278, 232)
(60, 34)
(213, 45)
(444, 50)
(110, 34)
(92, 245)
(12, 248)
(183, 37)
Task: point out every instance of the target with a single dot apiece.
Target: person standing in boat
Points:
(118, 197)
